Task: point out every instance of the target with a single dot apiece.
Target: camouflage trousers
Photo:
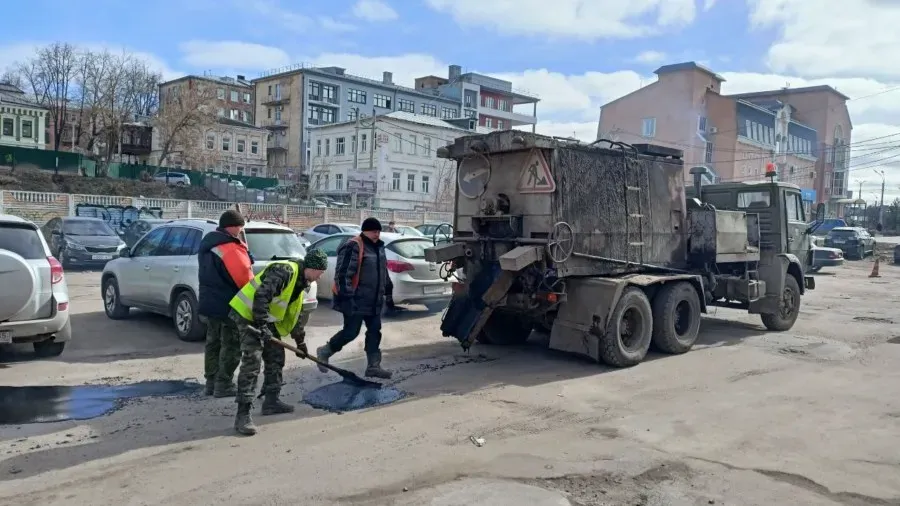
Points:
(256, 355)
(223, 350)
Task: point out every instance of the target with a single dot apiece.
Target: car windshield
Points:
(22, 240)
(86, 227)
(428, 229)
(351, 228)
(269, 244)
(842, 233)
(411, 248)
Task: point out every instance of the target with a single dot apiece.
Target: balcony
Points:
(278, 142)
(276, 99)
(322, 99)
(274, 124)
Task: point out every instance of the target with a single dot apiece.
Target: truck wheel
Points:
(505, 328)
(788, 307)
(676, 318)
(629, 331)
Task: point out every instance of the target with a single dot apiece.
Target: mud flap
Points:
(467, 314)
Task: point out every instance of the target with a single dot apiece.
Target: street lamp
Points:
(881, 207)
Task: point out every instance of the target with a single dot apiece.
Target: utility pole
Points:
(372, 157)
(881, 207)
(354, 193)
(859, 195)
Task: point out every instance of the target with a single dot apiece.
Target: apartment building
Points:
(386, 161)
(734, 136)
(491, 101)
(293, 100)
(22, 121)
(234, 96)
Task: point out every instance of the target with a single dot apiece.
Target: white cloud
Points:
(374, 10)
(270, 11)
(650, 57)
(230, 55)
(572, 19)
(333, 25)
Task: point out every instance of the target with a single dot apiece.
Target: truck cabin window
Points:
(754, 200)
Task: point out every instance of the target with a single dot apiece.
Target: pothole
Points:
(872, 319)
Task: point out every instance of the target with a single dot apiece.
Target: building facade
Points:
(490, 100)
(23, 122)
(234, 97)
(386, 161)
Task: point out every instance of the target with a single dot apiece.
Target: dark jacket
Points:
(368, 296)
(224, 269)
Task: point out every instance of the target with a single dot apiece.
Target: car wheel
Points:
(46, 349)
(188, 326)
(112, 304)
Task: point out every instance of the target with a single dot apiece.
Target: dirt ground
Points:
(806, 417)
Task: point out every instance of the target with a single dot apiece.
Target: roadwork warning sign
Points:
(536, 176)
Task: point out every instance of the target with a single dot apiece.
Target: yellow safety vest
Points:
(283, 313)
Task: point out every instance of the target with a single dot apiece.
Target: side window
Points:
(191, 244)
(793, 206)
(322, 229)
(331, 245)
(150, 243)
(171, 246)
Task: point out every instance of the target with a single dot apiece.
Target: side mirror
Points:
(820, 213)
(125, 253)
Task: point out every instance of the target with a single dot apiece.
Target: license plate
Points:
(5, 337)
(437, 289)
(101, 257)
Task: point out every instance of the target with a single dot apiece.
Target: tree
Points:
(319, 170)
(445, 185)
(186, 113)
(50, 77)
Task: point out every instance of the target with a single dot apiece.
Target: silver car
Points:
(159, 273)
(34, 303)
(323, 230)
(415, 280)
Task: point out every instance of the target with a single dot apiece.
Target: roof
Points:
(688, 65)
(420, 119)
(791, 91)
(224, 80)
(10, 94)
(236, 123)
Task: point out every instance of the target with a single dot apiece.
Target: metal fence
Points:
(119, 212)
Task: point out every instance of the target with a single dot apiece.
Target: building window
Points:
(648, 127)
(356, 96)
(411, 182)
(411, 147)
(448, 112)
(329, 93)
(489, 122)
(709, 152)
(318, 181)
(318, 147)
(425, 148)
(315, 91)
(382, 101)
(500, 124)
(701, 124)
(469, 98)
(234, 114)
(220, 93)
(339, 148)
(27, 130)
(353, 144)
(429, 109)
(254, 172)
(471, 113)
(327, 147)
(363, 144)
(240, 171)
(352, 115)
(241, 145)
(210, 141)
(398, 143)
(425, 183)
(406, 105)
(338, 181)
(220, 112)
(395, 182)
(234, 95)
(504, 105)
(8, 127)
(319, 115)
(254, 147)
(325, 184)
(226, 143)
(247, 99)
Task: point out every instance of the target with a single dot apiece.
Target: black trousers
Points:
(352, 325)
(389, 293)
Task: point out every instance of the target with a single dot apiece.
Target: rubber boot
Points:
(210, 386)
(243, 422)
(374, 369)
(272, 405)
(221, 390)
(323, 353)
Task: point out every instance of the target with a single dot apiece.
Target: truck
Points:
(607, 248)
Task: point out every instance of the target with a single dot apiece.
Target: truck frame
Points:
(608, 251)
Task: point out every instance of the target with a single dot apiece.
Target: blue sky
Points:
(574, 54)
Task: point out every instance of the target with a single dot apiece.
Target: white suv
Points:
(34, 300)
(159, 273)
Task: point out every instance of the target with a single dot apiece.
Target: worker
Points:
(269, 307)
(358, 293)
(225, 265)
(392, 228)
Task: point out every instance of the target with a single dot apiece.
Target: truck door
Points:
(795, 225)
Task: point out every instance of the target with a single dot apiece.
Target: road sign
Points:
(536, 176)
(472, 177)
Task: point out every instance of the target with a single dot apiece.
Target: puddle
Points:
(42, 404)
(343, 396)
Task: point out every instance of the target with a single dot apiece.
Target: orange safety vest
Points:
(354, 282)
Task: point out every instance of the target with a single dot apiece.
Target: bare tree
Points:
(13, 77)
(445, 184)
(319, 170)
(50, 75)
(186, 113)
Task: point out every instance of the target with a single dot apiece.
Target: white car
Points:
(408, 231)
(415, 280)
(173, 178)
(323, 230)
(34, 301)
(159, 273)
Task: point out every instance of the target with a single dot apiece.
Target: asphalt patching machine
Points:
(604, 247)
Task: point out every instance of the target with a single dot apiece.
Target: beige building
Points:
(22, 121)
(274, 96)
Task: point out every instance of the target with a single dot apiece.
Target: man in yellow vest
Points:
(268, 307)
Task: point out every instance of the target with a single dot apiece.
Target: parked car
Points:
(303, 240)
(437, 232)
(138, 228)
(159, 273)
(86, 242)
(34, 304)
(855, 242)
(825, 257)
(408, 231)
(325, 229)
(173, 178)
(416, 281)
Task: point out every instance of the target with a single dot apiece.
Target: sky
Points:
(575, 55)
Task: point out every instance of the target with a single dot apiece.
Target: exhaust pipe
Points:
(698, 172)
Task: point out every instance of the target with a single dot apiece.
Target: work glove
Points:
(301, 345)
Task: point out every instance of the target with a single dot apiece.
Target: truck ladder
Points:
(634, 211)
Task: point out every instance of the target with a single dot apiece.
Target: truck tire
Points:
(676, 318)
(504, 329)
(789, 307)
(630, 329)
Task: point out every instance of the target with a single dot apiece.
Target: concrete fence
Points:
(119, 212)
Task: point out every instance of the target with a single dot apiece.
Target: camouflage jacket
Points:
(274, 279)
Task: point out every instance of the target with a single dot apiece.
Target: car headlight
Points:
(74, 246)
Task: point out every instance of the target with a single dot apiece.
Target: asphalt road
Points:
(809, 416)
